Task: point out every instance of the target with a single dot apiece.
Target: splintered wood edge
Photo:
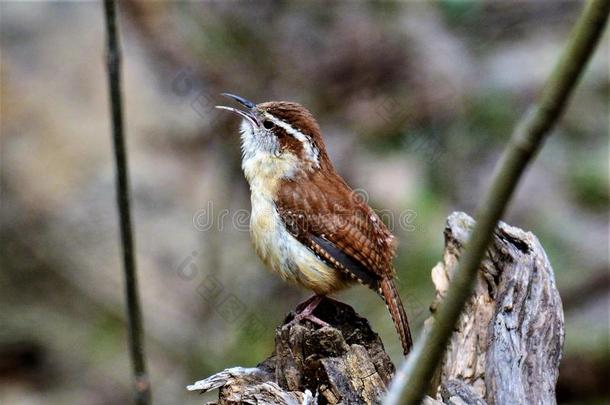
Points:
(515, 276)
(251, 384)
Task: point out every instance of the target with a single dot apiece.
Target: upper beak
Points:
(248, 114)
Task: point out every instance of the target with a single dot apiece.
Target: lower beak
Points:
(248, 114)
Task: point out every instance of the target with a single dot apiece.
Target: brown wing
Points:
(323, 213)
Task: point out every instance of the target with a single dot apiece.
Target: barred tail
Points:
(391, 297)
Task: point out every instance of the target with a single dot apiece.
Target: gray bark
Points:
(508, 341)
(505, 350)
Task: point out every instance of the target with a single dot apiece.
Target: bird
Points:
(306, 223)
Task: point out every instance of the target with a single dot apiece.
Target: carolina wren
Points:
(307, 224)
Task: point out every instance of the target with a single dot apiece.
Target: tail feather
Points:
(390, 295)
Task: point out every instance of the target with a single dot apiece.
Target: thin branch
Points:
(134, 317)
(416, 373)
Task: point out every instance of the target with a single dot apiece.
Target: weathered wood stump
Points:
(344, 363)
(505, 349)
(508, 342)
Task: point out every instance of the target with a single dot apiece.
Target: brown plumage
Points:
(292, 179)
(321, 206)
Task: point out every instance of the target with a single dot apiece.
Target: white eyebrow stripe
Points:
(295, 133)
(310, 150)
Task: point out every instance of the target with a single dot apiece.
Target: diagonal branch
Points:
(134, 316)
(416, 373)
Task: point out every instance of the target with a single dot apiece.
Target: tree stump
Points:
(508, 342)
(344, 363)
(505, 350)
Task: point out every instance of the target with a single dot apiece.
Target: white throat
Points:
(262, 161)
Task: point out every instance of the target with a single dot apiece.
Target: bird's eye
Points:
(268, 124)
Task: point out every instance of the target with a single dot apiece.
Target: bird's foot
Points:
(307, 312)
(313, 300)
(310, 317)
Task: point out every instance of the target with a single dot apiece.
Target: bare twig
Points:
(416, 373)
(134, 317)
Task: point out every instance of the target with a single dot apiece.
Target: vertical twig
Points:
(416, 373)
(134, 317)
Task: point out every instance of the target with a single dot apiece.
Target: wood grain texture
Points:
(345, 363)
(508, 343)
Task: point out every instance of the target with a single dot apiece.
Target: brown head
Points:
(280, 135)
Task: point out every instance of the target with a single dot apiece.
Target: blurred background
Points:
(415, 101)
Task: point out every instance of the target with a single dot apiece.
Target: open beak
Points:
(248, 114)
